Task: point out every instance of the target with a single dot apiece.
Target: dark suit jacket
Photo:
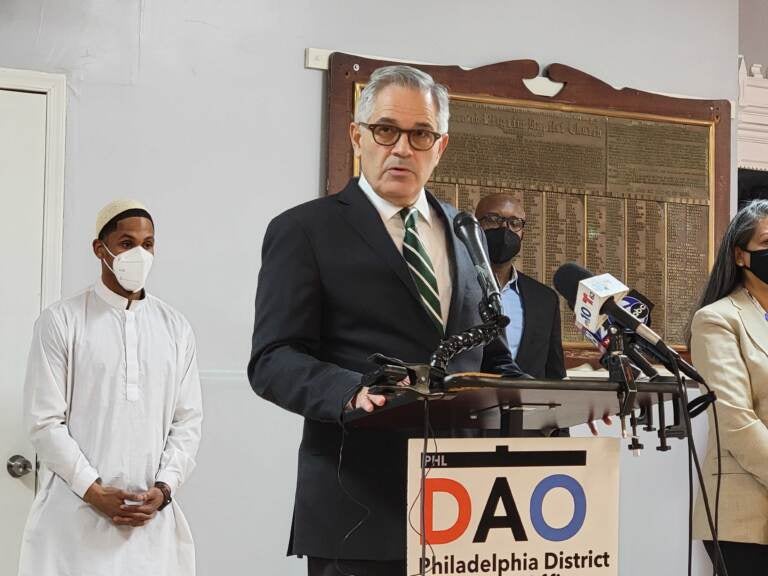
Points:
(332, 290)
(541, 349)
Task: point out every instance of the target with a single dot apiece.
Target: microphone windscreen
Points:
(566, 281)
(639, 306)
(463, 219)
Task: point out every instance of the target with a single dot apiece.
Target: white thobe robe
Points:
(112, 393)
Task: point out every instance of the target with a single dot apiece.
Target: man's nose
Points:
(402, 147)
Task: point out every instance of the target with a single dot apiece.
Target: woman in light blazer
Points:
(729, 347)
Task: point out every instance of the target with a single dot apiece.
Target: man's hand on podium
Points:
(592, 428)
(367, 402)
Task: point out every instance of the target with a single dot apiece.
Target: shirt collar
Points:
(387, 210)
(512, 284)
(115, 300)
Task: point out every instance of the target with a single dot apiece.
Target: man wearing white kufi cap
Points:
(113, 408)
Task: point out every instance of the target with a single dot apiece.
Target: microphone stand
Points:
(494, 323)
(427, 378)
(624, 360)
(673, 362)
(622, 372)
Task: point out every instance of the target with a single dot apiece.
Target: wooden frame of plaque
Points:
(623, 181)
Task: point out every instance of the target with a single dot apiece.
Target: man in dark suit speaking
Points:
(533, 333)
(374, 268)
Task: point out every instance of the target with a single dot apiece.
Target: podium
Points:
(478, 501)
(481, 500)
(491, 490)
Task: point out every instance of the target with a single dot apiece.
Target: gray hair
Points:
(726, 275)
(407, 77)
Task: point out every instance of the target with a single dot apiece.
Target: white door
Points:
(22, 194)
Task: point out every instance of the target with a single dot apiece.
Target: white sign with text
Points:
(515, 506)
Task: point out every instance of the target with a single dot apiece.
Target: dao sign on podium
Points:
(515, 507)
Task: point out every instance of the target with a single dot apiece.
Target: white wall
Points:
(203, 110)
(753, 41)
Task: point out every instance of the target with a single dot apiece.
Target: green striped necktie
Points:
(421, 268)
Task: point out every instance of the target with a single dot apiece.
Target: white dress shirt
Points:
(111, 392)
(431, 232)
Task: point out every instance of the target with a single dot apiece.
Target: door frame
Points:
(54, 86)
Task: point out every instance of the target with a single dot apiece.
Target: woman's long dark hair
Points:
(726, 275)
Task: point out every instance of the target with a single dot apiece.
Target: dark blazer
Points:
(332, 290)
(541, 349)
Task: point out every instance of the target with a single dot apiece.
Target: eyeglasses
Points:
(387, 135)
(497, 221)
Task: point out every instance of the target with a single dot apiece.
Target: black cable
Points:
(683, 391)
(719, 476)
(690, 508)
(422, 486)
(719, 479)
(366, 509)
(355, 500)
(428, 431)
(696, 407)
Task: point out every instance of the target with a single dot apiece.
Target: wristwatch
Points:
(166, 490)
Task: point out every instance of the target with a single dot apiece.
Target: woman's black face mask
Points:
(758, 263)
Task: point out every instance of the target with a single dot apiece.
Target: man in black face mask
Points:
(534, 329)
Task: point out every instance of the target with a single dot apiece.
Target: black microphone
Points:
(468, 230)
(567, 279)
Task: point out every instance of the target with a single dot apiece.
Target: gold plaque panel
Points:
(626, 195)
(646, 251)
(687, 265)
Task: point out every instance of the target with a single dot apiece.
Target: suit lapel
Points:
(754, 322)
(461, 266)
(366, 221)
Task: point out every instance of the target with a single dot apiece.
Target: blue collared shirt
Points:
(513, 308)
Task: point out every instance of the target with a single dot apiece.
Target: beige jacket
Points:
(730, 348)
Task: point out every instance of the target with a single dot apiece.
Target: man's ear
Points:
(354, 136)
(99, 250)
(441, 146)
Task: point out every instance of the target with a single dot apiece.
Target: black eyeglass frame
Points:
(514, 223)
(372, 127)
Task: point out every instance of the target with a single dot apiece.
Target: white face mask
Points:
(131, 267)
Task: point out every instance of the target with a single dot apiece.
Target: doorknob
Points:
(18, 466)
